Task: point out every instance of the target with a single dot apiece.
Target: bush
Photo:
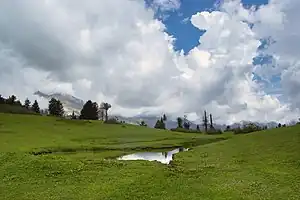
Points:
(15, 109)
(248, 128)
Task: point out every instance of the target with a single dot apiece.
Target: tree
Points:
(164, 117)
(228, 128)
(11, 100)
(55, 108)
(160, 124)
(211, 126)
(106, 107)
(198, 128)
(279, 125)
(27, 103)
(2, 100)
(35, 107)
(89, 111)
(73, 116)
(186, 123)
(205, 121)
(179, 122)
(143, 123)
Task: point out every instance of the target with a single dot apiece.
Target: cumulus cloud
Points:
(95, 50)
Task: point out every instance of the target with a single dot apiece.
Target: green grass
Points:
(262, 165)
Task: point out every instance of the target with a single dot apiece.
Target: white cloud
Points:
(166, 5)
(128, 59)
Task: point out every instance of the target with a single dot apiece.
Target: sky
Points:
(237, 59)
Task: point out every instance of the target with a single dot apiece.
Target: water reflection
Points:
(163, 157)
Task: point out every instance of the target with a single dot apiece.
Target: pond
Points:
(163, 157)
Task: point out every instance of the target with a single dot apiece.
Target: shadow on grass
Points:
(60, 150)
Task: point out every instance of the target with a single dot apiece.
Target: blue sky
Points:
(187, 36)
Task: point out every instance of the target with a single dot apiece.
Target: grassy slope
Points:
(263, 165)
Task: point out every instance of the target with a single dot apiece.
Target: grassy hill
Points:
(50, 158)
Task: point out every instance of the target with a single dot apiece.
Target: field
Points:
(50, 158)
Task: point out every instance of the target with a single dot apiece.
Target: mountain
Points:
(69, 102)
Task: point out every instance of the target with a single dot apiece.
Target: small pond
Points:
(163, 157)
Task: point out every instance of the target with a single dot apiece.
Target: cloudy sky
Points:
(238, 59)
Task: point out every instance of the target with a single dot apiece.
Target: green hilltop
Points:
(53, 158)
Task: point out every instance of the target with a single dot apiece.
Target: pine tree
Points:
(73, 116)
(186, 123)
(164, 117)
(160, 124)
(35, 107)
(205, 121)
(11, 100)
(2, 100)
(179, 122)
(60, 108)
(27, 104)
(55, 108)
(89, 111)
(211, 126)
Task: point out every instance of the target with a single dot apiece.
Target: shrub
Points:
(15, 109)
(248, 128)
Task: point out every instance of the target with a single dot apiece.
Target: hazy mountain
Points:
(69, 102)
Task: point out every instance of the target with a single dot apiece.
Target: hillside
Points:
(78, 162)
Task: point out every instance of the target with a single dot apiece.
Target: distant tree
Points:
(164, 117)
(106, 107)
(11, 100)
(160, 124)
(186, 123)
(73, 116)
(27, 103)
(44, 111)
(35, 107)
(89, 111)
(205, 121)
(211, 126)
(143, 123)
(163, 125)
(198, 128)
(2, 100)
(55, 108)
(279, 125)
(228, 128)
(284, 125)
(179, 122)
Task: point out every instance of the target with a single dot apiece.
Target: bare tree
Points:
(205, 121)
(106, 107)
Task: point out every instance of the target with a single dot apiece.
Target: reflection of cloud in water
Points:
(163, 157)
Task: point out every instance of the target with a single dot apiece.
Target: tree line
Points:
(90, 110)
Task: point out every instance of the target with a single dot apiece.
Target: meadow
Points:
(52, 158)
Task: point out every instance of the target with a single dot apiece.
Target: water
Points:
(163, 157)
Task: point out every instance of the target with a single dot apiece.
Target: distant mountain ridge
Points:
(69, 102)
